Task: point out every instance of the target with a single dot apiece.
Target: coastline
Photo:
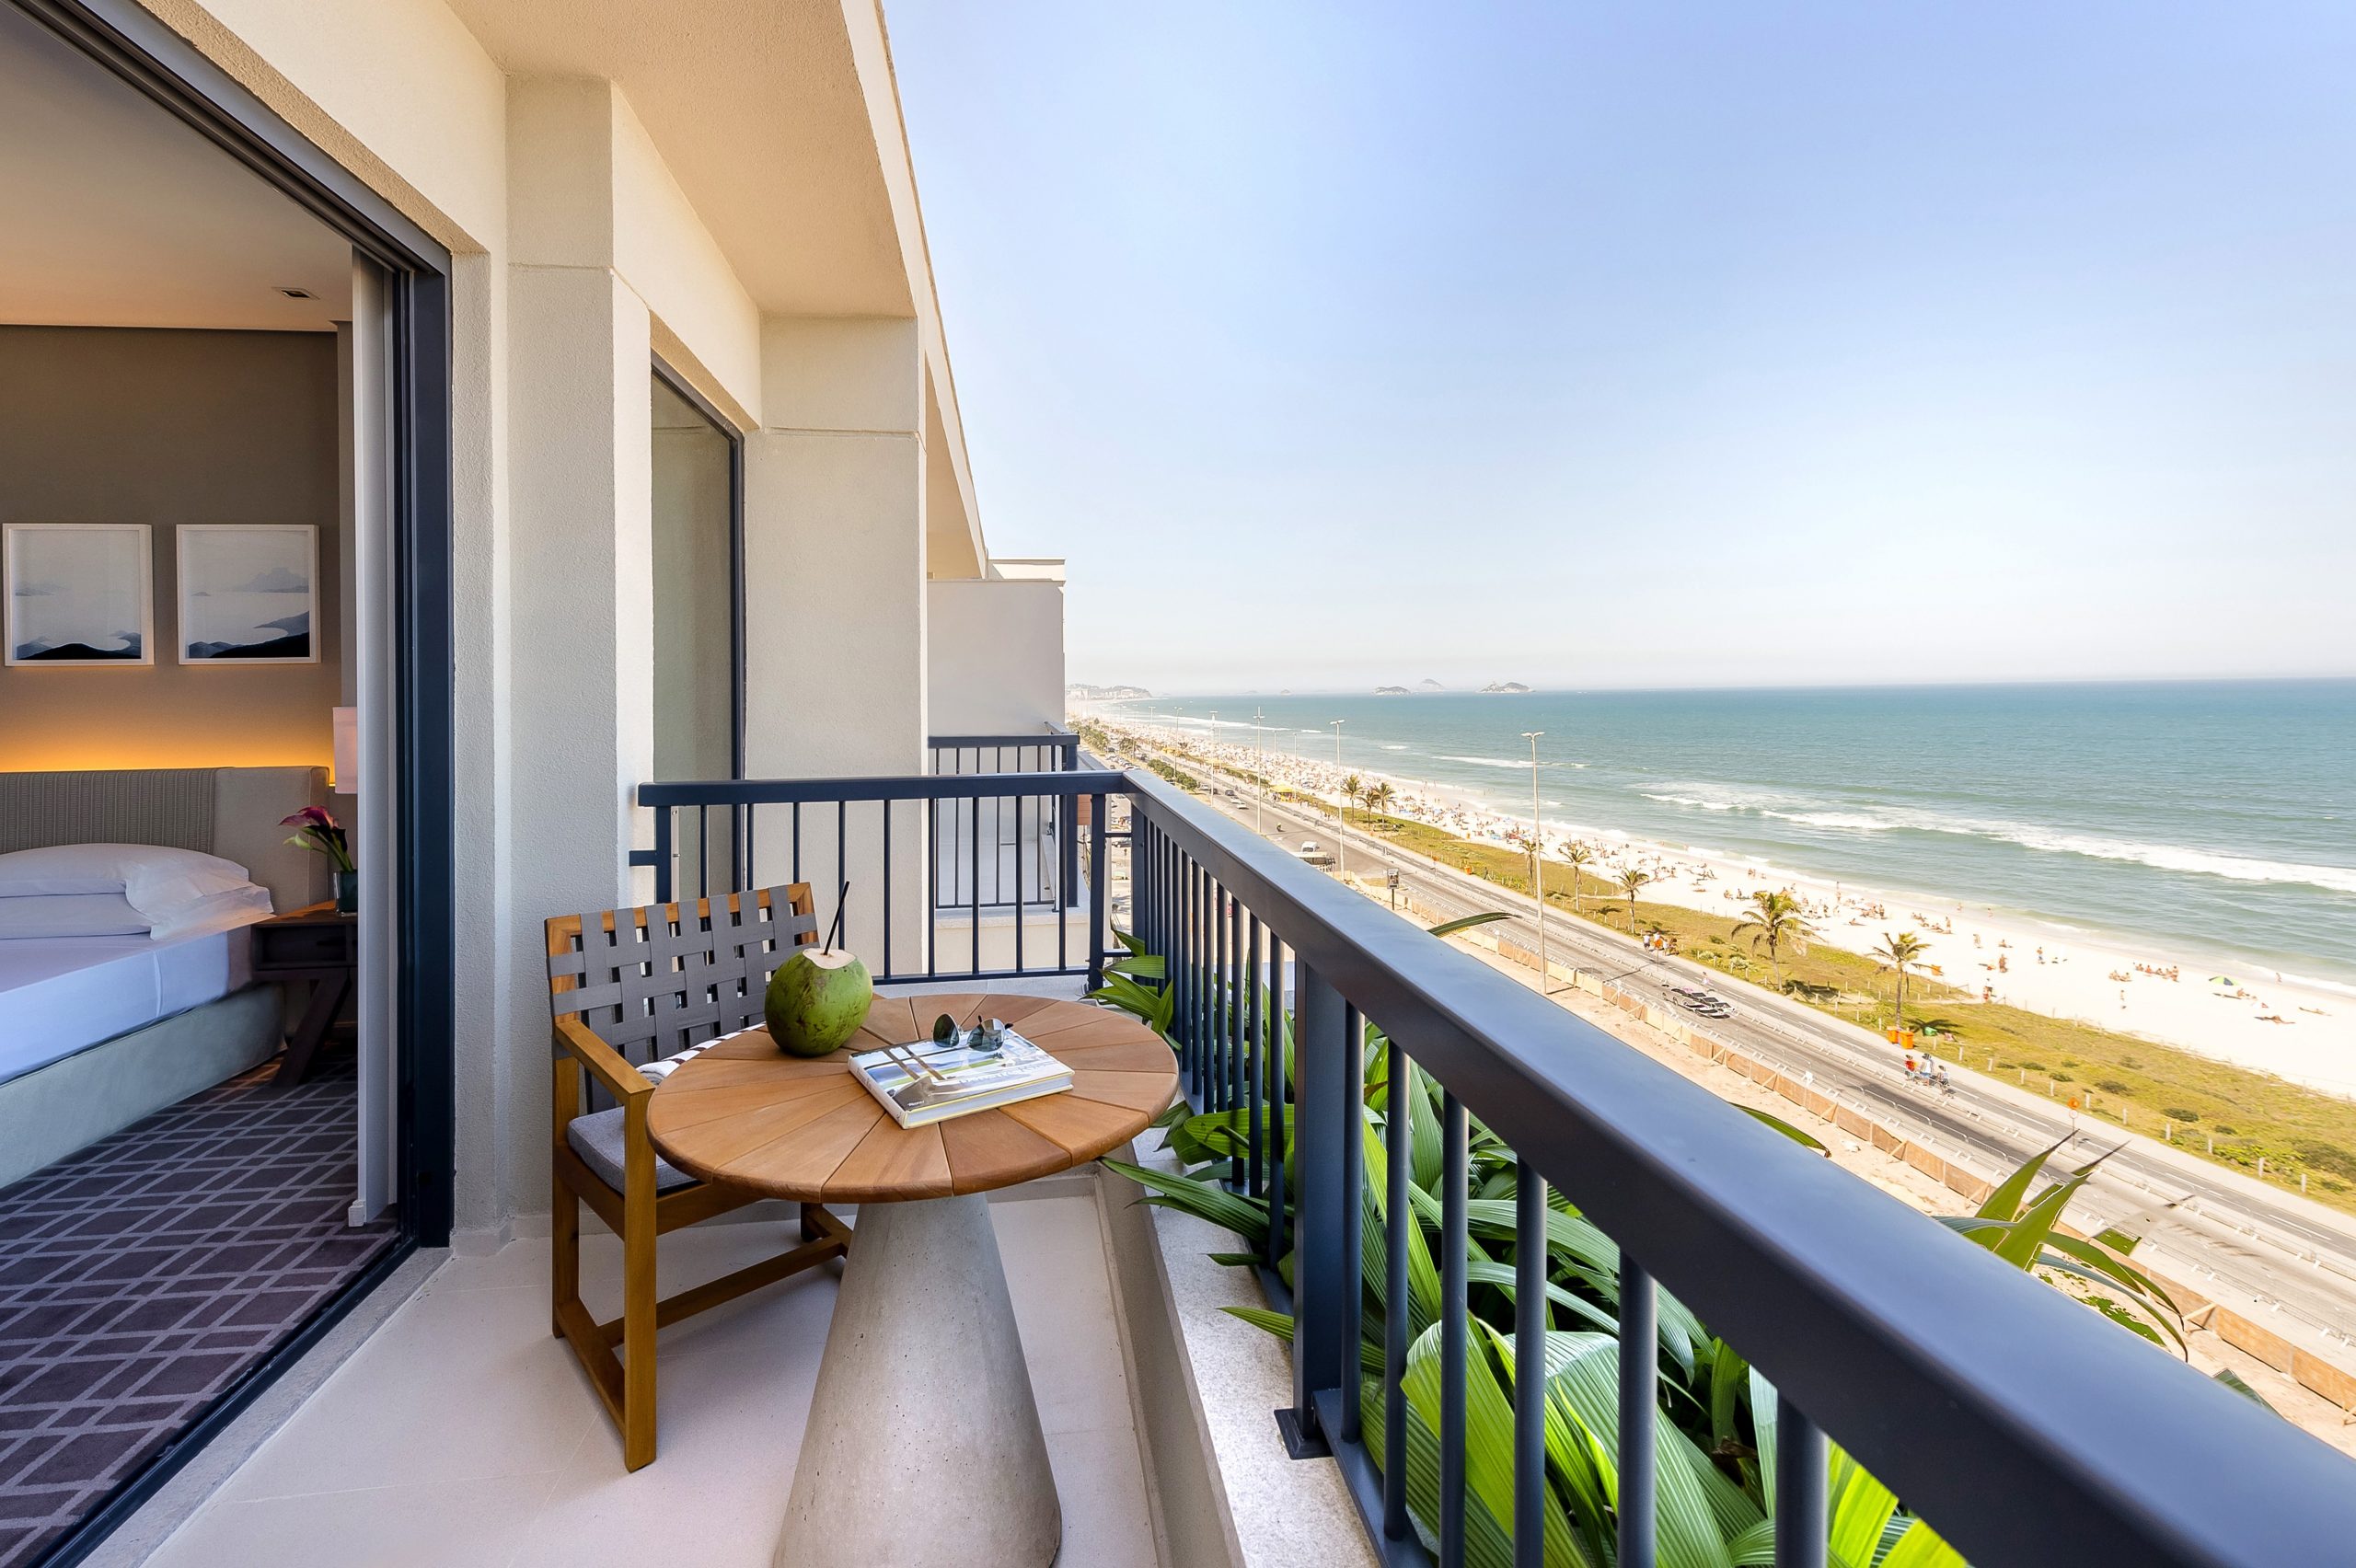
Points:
(2298, 1029)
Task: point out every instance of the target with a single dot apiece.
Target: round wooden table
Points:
(923, 1445)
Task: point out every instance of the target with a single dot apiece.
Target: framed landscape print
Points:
(78, 593)
(249, 592)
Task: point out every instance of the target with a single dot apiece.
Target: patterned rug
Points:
(141, 1276)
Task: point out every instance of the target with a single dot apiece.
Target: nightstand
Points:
(317, 944)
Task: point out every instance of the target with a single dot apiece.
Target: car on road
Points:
(1709, 1004)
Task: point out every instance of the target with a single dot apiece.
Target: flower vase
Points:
(347, 893)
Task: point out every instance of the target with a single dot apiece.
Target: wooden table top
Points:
(745, 1113)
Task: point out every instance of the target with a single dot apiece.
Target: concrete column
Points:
(835, 653)
(580, 709)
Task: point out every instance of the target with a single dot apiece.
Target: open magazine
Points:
(933, 1080)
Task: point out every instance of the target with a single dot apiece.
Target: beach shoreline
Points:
(2297, 1028)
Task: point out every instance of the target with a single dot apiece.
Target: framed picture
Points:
(249, 592)
(78, 593)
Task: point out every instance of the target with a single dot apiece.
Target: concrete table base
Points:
(923, 1446)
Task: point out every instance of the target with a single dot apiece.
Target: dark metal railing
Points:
(924, 903)
(1051, 748)
(2024, 1427)
(1033, 859)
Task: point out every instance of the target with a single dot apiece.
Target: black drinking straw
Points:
(836, 928)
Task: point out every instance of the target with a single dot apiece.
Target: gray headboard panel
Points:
(230, 812)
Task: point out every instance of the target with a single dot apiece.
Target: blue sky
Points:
(1656, 344)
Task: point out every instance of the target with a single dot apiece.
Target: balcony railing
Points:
(1051, 748)
(965, 876)
(1030, 850)
(2022, 1426)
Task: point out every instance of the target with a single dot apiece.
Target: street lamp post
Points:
(1341, 816)
(1538, 861)
(1259, 775)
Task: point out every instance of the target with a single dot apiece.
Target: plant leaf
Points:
(2004, 1203)
(1465, 923)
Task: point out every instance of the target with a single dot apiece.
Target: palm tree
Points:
(1776, 922)
(1378, 797)
(1351, 788)
(1901, 952)
(1578, 854)
(1630, 880)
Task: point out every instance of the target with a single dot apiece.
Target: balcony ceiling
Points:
(758, 111)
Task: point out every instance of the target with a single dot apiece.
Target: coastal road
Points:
(2223, 1234)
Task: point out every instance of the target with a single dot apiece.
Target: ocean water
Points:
(2211, 818)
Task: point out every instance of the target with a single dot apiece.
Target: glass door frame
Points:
(130, 41)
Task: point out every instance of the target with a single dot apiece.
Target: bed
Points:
(99, 1031)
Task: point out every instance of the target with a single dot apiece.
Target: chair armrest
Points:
(623, 1081)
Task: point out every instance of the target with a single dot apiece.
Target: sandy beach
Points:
(2301, 1030)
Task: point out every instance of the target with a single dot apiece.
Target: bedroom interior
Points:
(197, 1089)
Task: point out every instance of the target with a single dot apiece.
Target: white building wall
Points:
(995, 655)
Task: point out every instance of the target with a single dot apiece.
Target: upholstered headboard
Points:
(230, 812)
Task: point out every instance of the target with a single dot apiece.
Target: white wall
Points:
(996, 655)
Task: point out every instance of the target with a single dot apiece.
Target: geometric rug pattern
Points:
(141, 1276)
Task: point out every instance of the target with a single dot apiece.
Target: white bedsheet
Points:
(60, 994)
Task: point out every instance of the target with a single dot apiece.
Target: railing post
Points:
(1100, 873)
(1320, 1036)
(1800, 1458)
(1639, 1408)
(662, 854)
(1068, 849)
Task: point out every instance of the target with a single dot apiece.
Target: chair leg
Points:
(639, 1322)
(564, 1253)
(810, 1232)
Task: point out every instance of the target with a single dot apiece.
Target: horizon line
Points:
(1760, 686)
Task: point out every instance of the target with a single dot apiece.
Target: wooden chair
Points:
(654, 983)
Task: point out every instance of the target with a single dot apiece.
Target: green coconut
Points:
(816, 1001)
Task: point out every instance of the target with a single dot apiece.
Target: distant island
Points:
(1503, 689)
(1391, 691)
(1080, 691)
(1427, 684)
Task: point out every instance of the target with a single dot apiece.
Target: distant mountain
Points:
(1503, 689)
(295, 645)
(1391, 691)
(1080, 691)
(1427, 684)
(62, 652)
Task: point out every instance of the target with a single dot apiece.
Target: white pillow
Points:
(171, 887)
(70, 915)
(238, 907)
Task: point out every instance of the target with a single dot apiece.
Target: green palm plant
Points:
(1776, 922)
(1715, 1457)
(1631, 879)
(1578, 854)
(1902, 951)
(1380, 796)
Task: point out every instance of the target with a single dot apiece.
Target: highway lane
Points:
(2226, 1236)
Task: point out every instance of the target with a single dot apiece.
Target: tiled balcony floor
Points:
(462, 1433)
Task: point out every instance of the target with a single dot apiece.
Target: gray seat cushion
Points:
(597, 1139)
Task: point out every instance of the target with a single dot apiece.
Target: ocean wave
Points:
(1699, 803)
(2028, 835)
(1488, 761)
(1393, 746)
(2167, 857)
(1855, 821)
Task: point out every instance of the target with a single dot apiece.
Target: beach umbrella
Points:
(2221, 979)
